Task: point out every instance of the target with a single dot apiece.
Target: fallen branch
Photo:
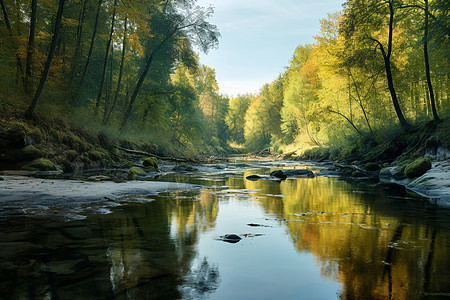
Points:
(138, 152)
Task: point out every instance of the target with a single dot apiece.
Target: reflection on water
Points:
(318, 238)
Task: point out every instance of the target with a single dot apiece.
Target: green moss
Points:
(27, 153)
(418, 167)
(96, 155)
(76, 143)
(131, 176)
(150, 164)
(13, 135)
(371, 166)
(40, 165)
(138, 171)
(347, 151)
(66, 165)
(317, 153)
(71, 155)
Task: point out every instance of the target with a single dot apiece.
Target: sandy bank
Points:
(73, 199)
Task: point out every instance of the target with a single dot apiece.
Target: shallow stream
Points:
(305, 238)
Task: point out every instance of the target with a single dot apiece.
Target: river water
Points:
(305, 238)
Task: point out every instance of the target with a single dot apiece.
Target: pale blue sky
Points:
(259, 38)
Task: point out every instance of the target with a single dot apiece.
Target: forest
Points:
(130, 69)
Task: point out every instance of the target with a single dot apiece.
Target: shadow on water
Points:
(364, 240)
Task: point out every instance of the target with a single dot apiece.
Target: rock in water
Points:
(231, 238)
(254, 177)
(298, 173)
(278, 174)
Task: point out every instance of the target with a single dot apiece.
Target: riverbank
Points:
(417, 158)
(73, 199)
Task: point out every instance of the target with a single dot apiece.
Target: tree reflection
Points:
(377, 247)
(143, 251)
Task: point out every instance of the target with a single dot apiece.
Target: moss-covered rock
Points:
(371, 166)
(13, 135)
(27, 153)
(418, 167)
(150, 164)
(41, 165)
(131, 176)
(134, 172)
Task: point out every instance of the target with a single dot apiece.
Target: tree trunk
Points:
(119, 81)
(8, 26)
(105, 63)
(30, 49)
(387, 64)
(30, 111)
(91, 48)
(427, 65)
(78, 39)
(136, 91)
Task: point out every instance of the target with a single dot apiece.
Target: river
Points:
(304, 238)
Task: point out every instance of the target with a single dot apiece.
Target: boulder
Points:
(256, 177)
(41, 165)
(418, 167)
(151, 163)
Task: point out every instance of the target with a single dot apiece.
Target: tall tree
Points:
(427, 64)
(30, 49)
(30, 111)
(91, 49)
(360, 17)
(105, 63)
(178, 23)
(109, 111)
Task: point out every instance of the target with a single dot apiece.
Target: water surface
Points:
(319, 238)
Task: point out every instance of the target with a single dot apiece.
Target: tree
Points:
(30, 48)
(179, 21)
(30, 111)
(427, 64)
(105, 63)
(364, 17)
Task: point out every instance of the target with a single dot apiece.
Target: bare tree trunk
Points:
(105, 63)
(119, 81)
(427, 65)
(30, 111)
